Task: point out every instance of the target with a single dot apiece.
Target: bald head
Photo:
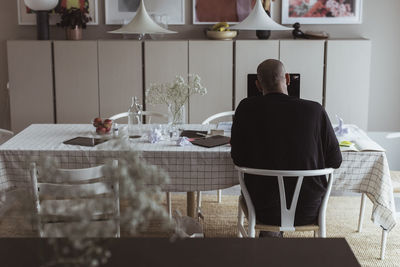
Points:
(271, 76)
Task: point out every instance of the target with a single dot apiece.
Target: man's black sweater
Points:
(280, 132)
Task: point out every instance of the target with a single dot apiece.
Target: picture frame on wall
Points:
(231, 11)
(27, 17)
(322, 11)
(120, 12)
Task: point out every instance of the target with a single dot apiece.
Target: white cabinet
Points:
(249, 54)
(120, 75)
(305, 57)
(76, 75)
(212, 61)
(98, 78)
(348, 81)
(31, 83)
(164, 60)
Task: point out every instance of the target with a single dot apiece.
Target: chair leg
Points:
(169, 205)
(198, 207)
(383, 243)
(252, 223)
(219, 193)
(198, 200)
(362, 208)
(322, 231)
(240, 221)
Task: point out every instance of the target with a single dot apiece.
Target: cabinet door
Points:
(249, 54)
(164, 60)
(120, 75)
(76, 74)
(307, 59)
(31, 83)
(348, 81)
(213, 62)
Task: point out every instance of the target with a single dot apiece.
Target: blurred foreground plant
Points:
(140, 190)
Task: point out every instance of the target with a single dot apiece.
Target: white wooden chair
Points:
(206, 122)
(396, 191)
(5, 135)
(147, 114)
(246, 206)
(218, 116)
(76, 201)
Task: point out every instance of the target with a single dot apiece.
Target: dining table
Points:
(191, 168)
(194, 252)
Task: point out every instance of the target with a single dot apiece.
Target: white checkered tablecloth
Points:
(191, 168)
(368, 172)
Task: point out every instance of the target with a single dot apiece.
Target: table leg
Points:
(191, 204)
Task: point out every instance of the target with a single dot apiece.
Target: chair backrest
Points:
(147, 114)
(287, 215)
(217, 116)
(5, 135)
(76, 199)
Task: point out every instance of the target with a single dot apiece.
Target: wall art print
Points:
(27, 17)
(122, 11)
(322, 11)
(231, 11)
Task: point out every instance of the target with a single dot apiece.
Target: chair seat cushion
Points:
(272, 228)
(81, 229)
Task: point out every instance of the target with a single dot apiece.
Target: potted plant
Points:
(74, 20)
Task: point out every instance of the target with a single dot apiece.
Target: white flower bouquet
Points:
(175, 95)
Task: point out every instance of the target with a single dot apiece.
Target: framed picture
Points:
(27, 17)
(322, 11)
(231, 11)
(122, 11)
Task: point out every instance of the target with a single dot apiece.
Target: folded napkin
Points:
(341, 129)
(155, 135)
(183, 141)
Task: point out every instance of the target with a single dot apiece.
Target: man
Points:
(279, 132)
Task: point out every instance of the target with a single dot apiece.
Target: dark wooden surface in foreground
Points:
(194, 252)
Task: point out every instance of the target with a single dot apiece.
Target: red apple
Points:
(107, 124)
(101, 130)
(97, 122)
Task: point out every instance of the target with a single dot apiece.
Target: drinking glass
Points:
(162, 20)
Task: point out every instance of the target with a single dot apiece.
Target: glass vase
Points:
(176, 114)
(74, 33)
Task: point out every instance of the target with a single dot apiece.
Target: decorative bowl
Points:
(225, 35)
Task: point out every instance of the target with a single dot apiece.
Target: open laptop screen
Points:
(293, 88)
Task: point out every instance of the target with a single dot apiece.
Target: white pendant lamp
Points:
(142, 24)
(42, 8)
(41, 5)
(258, 19)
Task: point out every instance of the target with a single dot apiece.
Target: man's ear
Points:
(287, 76)
(258, 85)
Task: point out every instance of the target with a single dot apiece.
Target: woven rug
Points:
(221, 219)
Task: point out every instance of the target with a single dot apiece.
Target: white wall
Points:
(380, 24)
(392, 147)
